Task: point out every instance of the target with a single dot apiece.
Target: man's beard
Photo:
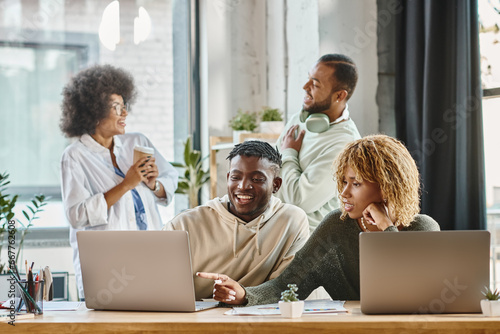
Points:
(319, 107)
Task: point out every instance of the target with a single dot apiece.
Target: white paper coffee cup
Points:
(142, 151)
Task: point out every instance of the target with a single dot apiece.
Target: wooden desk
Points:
(213, 321)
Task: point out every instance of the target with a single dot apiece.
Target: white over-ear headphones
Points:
(319, 122)
(315, 122)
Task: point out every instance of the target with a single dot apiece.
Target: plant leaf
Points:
(193, 158)
(187, 149)
(177, 164)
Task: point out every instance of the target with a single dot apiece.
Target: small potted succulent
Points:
(290, 306)
(271, 120)
(491, 305)
(243, 122)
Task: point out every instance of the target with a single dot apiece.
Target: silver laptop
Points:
(138, 271)
(423, 272)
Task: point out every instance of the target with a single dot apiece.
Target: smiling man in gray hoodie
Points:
(248, 234)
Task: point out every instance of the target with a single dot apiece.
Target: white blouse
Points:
(87, 173)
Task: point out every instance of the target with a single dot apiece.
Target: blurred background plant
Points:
(271, 120)
(194, 175)
(269, 114)
(7, 205)
(244, 121)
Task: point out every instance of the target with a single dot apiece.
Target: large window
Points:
(31, 77)
(489, 17)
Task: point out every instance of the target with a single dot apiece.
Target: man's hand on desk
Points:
(226, 290)
(289, 140)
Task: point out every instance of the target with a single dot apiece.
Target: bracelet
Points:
(157, 187)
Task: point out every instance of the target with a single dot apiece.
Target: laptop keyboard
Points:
(204, 305)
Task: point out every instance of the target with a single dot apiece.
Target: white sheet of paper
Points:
(310, 307)
(61, 306)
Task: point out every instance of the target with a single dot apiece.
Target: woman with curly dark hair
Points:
(102, 187)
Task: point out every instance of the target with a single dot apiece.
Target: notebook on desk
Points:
(423, 272)
(138, 271)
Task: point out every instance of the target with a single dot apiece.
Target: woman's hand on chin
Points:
(377, 214)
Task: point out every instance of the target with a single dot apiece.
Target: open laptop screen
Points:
(137, 270)
(423, 271)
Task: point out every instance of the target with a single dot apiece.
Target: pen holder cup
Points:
(31, 295)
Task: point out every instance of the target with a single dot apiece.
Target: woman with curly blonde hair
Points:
(384, 164)
(378, 184)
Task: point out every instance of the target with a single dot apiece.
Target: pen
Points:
(36, 286)
(15, 272)
(31, 289)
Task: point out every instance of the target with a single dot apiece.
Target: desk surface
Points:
(214, 321)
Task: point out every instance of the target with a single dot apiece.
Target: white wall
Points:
(258, 53)
(350, 27)
(234, 60)
(303, 41)
(277, 76)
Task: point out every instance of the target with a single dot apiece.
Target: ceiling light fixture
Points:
(109, 28)
(142, 26)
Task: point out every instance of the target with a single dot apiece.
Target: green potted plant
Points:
(9, 224)
(491, 304)
(194, 175)
(290, 306)
(271, 120)
(243, 122)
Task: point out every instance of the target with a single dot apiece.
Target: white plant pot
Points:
(236, 135)
(291, 309)
(272, 127)
(490, 308)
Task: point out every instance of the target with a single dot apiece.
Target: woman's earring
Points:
(385, 200)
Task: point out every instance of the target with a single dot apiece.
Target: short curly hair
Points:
(260, 149)
(386, 161)
(87, 97)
